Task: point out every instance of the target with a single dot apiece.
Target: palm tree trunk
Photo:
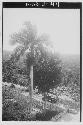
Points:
(45, 101)
(31, 87)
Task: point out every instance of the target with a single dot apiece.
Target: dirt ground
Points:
(70, 118)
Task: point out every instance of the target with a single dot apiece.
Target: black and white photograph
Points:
(41, 61)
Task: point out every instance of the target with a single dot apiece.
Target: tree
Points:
(31, 45)
(46, 66)
(47, 73)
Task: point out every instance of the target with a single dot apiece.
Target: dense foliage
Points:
(47, 74)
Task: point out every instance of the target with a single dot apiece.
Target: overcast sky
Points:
(63, 26)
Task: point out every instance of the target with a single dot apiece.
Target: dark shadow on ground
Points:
(46, 115)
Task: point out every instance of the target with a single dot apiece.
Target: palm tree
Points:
(28, 42)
